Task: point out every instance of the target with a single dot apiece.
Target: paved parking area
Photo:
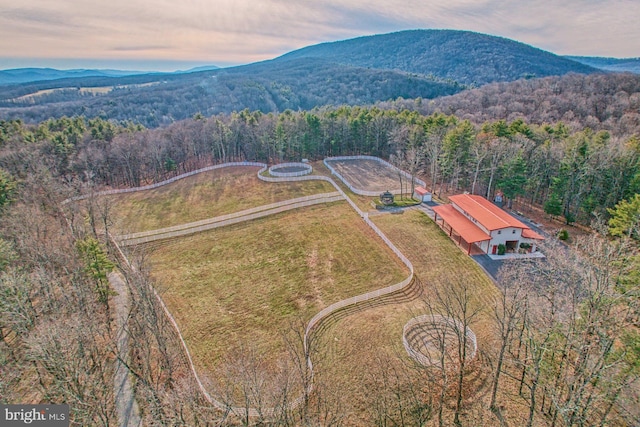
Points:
(489, 265)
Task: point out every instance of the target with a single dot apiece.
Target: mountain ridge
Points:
(631, 65)
(441, 52)
(410, 64)
(34, 74)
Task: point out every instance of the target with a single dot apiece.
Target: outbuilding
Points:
(421, 194)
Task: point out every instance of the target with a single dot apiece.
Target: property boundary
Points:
(320, 317)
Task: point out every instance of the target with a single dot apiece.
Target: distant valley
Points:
(29, 75)
(621, 65)
(424, 64)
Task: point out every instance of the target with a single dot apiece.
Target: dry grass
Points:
(249, 281)
(203, 196)
(352, 348)
(363, 202)
(246, 283)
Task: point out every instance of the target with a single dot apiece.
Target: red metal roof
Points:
(470, 232)
(485, 212)
(490, 216)
(528, 233)
(421, 191)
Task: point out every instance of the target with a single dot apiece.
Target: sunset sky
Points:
(166, 35)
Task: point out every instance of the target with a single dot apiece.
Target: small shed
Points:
(421, 194)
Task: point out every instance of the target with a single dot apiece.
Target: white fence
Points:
(426, 323)
(306, 169)
(377, 159)
(225, 220)
(319, 317)
(161, 183)
(313, 178)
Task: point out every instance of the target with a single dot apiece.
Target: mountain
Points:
(202, 68)
(631, 65)
(463, 56)
(410, 64)
(155, 100)
(28, 75)
(25, 75)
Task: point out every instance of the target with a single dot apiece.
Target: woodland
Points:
(423, 64)
(566, 330)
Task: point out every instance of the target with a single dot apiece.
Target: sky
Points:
(169, 35)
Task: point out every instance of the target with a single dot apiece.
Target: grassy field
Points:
(98, 90)
(358, 346)
(205, 195)
(245, 283)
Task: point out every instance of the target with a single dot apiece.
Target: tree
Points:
(458, 313)
(97, 266)
(514, 178)
(576, 351)
(507, 315)
(455, 151)
(8, 187)
(625, 218)
(553, 205)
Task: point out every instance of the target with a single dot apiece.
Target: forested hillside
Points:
(269, 87)
(412, 64)
(601, 102)
(462, 56)
(56, 312)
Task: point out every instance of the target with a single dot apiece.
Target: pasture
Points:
(369, 342)
(239, 289)
(243, 285)
(205, 195)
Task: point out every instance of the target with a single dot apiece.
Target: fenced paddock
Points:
(358, 233)
(290, 169)
(429, 339)
(370, 176)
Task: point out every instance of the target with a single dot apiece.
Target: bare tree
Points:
(508, 310)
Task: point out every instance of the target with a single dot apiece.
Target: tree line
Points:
(575, 173)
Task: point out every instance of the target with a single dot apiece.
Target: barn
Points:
(478, 222)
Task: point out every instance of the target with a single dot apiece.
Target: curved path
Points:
(317, 320)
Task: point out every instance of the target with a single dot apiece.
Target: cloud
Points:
(241, 31)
